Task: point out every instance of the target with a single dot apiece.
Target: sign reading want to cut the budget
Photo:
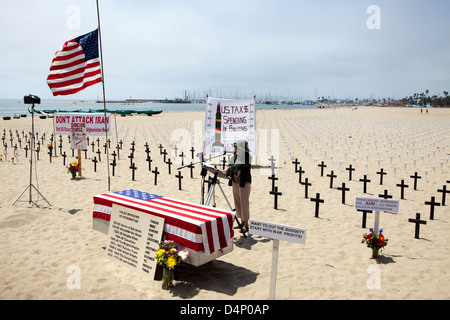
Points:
(94, 123)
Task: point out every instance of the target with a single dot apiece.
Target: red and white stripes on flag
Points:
(197, 227)
(76, 65)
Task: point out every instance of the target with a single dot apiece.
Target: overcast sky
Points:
(158, 49)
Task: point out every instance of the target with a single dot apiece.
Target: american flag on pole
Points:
(76, 65)
(197, 227)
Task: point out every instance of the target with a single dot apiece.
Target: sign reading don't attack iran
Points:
(227, 121)
(92, 124)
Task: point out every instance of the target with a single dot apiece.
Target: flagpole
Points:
(104, 98)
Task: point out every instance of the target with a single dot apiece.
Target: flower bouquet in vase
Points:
(73, 168)
(169, 256)
(375, 242)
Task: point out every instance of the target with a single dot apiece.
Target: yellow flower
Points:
(75, 163)
(159, 253)
(171, 262)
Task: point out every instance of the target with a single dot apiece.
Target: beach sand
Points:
(44, 248)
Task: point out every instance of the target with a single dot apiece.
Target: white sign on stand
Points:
(276, 232)
(377, 205)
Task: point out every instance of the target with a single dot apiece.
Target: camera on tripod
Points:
(31, 99)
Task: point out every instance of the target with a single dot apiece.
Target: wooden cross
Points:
(306, 184)
(432, 204)
(402, 186)
(273, 178)
(365, 180)
(64, 158)
(133, 168)
(113, 163)
(114, 154)
(92, 144)
(276, 194)
(272, 160)
(415, 177)
(156, 172)
(50, 154)
(344, 189)
(95, 163)
(118, 152)
(192, 152)
(322, 166)
(106, 147)
(296, 162)
(300, 172)
(98, 142)
(26, 151)
(98, 153)
(444, 192)
(131, 156)
(272, 165)
(176, 150)
(418, 222)
(169, 163)
(149, 160)
(364, 218)
(382, 173)
(317, 200)
(160, 148)
(385, 195)
(182, 155)
(350, 169)
(191, 166)
(180, 177)
(164, 153)
(332, 176)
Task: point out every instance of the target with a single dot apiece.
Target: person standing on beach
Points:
(239, 170)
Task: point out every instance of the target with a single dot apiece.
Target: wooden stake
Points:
(273, 273)
(79, 162)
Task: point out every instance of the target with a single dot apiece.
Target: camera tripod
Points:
(31, 185)
(212, 182)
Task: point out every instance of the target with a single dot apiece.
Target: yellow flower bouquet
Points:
(73, 168)
(169, 256)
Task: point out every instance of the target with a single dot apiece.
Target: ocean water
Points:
(11, 107)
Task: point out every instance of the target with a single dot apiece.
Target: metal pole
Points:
(104, 99)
